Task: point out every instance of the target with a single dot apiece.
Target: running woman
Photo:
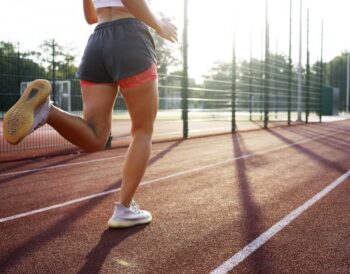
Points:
(119, 55)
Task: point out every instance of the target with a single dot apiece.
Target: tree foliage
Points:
(16, 67)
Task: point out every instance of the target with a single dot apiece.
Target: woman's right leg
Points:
(92, 131)
(142, 103)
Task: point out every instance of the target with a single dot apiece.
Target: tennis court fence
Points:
(251, 94)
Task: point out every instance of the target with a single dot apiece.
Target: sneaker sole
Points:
(18, 121)
(125, 223)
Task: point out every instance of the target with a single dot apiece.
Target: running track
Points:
(265, 201)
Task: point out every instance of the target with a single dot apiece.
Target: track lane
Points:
(79, 181)
(248, 194)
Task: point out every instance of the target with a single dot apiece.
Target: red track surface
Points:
(207, 202)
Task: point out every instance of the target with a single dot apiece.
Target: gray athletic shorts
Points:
(117, 50)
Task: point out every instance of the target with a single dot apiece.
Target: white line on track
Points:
(20, 172)
(14, 173)
(241, 255)
(93, 196)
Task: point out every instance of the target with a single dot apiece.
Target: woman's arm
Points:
(141, 11)
(89, 12)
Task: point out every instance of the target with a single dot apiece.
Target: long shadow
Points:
(251, 211)
(336, 142)
(260, 125)
(321, 132)
(15, 165)
(20, 163)
(36, 170)
(28, 247)
(321, 129)
(337, 125)
(312, 155)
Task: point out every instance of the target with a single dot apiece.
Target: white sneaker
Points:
(125, 217)
(29, 112)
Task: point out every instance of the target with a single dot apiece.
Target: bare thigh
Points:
(98, 102)
(142, 103)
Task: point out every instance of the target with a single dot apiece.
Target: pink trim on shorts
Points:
(144, 77)
(84, 83)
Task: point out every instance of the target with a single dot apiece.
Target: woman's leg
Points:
(91, 132)
(142, 103)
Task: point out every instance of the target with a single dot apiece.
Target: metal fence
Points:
(241, 93)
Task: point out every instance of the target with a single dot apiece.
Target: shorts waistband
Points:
(120, 22)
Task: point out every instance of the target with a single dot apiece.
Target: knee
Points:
(95, 146)
(144, 131)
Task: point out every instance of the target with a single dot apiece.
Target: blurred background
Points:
(239, 64)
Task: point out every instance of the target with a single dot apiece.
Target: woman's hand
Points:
(167, 30)
(141, 10)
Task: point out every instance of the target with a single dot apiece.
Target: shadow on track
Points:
(311, 154)
(109, 240)
(49, 234)
(252, 215)
(337, 143)
(40, 169)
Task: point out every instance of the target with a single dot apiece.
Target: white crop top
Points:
(107, 3)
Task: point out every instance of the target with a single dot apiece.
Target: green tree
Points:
(168, 55)
(58, 60)
(168, 59)
(15, 68)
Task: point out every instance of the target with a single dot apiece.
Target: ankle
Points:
(125, 204)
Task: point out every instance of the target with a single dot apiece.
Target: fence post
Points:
(300, 80)
(233, 86)
(290, 65)
(18, 66)
(184, 93)
(251, 79)
(53, 69)
(266, 71)
(307, 72)
(321, 73)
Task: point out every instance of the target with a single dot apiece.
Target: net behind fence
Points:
(211, 104)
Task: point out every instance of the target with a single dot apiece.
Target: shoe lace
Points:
(135, 207)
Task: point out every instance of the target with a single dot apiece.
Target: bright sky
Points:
(211, 26)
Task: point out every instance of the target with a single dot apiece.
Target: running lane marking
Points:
(93, 196)
(57, 166)
(241, 255)
(20, 172)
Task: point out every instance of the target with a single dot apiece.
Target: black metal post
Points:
(289, 106)
(53, 69)
(321, 74)
(184, 93)
(233, 86)
(307, 112)
(251, 79)
(266, 71)
(18, 67)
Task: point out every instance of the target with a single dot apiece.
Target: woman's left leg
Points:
(90, 132)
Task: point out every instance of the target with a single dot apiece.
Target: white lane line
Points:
(20, 172)
(181, 173)
(14, 173)
(241, 255)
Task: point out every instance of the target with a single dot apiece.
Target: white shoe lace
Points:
(134, 207)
